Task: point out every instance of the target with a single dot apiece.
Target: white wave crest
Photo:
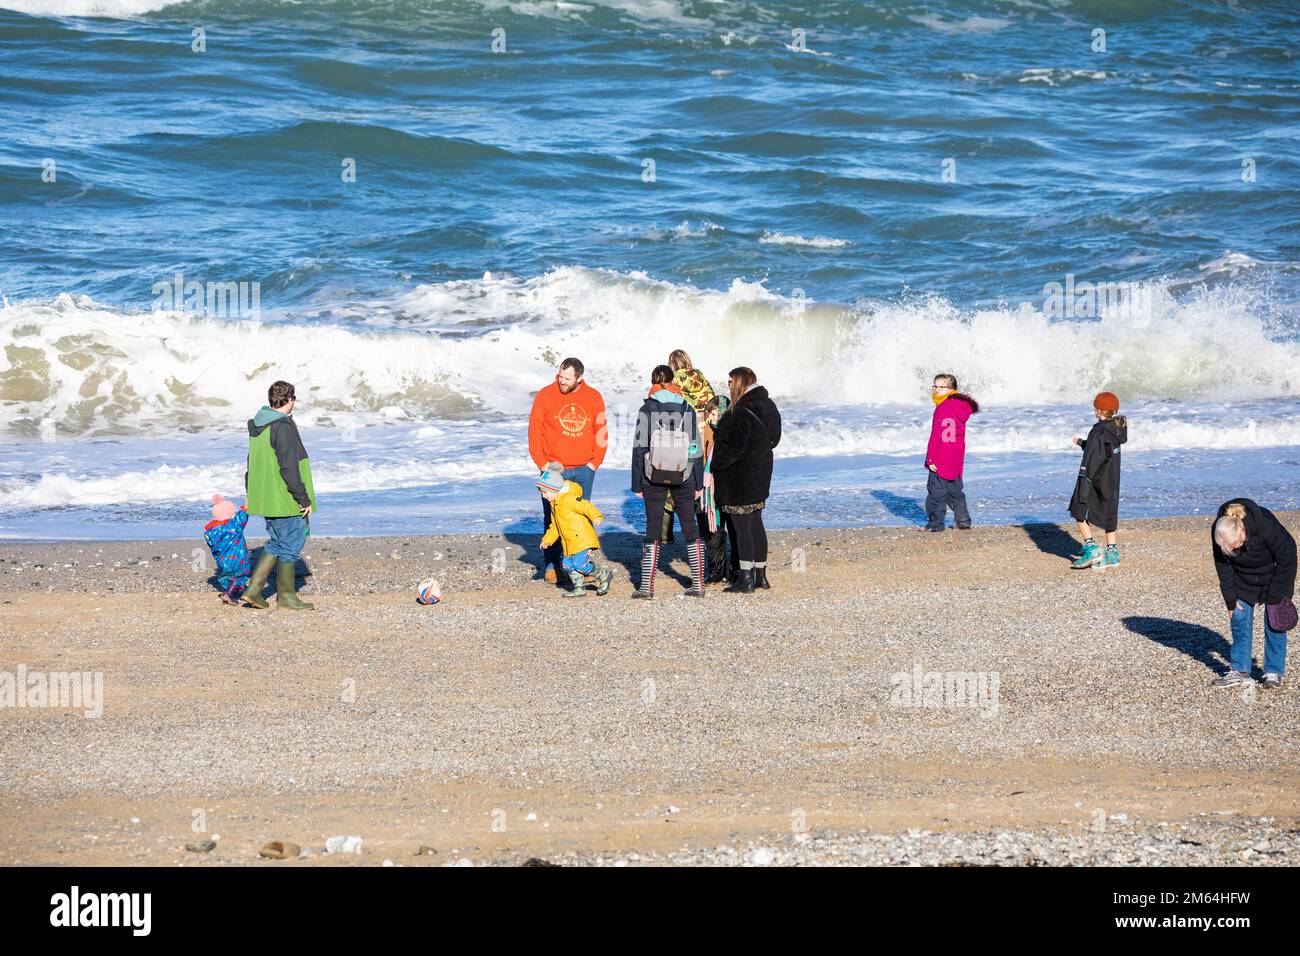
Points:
(479, 349)
(1055, 77)
(818, 242)
(116, 9)
(972, 24)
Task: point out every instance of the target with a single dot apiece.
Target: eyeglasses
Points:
(940, 388)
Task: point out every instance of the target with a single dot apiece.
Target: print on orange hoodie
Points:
(570, 428)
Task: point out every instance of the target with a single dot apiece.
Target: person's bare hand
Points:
(640, 495)
(305, 510)
(1077, 440)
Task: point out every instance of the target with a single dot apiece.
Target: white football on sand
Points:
(429, 592)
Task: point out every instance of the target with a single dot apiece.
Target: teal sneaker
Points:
(1110, 558)
(1091, 556)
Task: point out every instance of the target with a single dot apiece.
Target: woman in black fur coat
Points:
(742, 473)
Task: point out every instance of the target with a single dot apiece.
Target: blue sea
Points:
(414, 208)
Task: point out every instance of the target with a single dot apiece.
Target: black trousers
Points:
(940, 495)
(750, 537)
(731, 538)
(683, 505)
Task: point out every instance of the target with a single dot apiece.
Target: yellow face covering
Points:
(938, 397)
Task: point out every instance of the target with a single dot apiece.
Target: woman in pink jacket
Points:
(947, 453)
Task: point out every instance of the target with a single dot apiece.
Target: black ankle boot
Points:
(744, 583)
(760, 578)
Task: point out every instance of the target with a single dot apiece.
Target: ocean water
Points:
(429, 203)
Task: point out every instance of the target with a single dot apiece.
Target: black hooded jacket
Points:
(678, 413)
(742, 449)
(1096, 492)
(1263, 570)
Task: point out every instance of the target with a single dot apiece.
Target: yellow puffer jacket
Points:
(571, 521)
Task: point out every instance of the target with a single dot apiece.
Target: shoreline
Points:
(162, 542)
(669, 731)
(512, 536)
(839, 491)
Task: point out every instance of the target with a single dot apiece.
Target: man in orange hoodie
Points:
(567, 427)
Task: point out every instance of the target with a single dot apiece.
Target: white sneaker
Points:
(1232, 679)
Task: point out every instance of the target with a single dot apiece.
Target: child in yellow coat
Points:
(571, 522)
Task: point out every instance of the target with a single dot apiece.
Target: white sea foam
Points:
(1055, 77)
(819, 242)
(684, 230)
(59, 489)
(389, 457)
(479, 349)
(972, 24)
(655, 11)
(661, 11)
(117, 9)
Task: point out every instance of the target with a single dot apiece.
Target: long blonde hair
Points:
(1229, 529)
(678, 359)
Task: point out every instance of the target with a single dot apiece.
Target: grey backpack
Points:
(668, 457)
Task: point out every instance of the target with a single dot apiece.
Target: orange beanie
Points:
(1106, 402)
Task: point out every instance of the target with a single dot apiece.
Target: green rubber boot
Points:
(579, 582)
(286, 596)
(253, 593)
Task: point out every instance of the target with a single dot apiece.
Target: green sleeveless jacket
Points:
(273, 448)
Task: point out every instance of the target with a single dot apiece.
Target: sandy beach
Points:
(509, 724)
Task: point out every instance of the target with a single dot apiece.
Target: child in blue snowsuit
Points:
(225, 536)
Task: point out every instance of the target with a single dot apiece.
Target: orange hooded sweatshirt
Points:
(568, 428)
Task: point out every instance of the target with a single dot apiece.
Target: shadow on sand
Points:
(1199, 643)
(909, 509)
(1053, 539)
(301, 573)
(617, 548)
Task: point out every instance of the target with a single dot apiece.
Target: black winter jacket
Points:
(653, 411)
(742, 449)
(1096, 491)
(1263, 570)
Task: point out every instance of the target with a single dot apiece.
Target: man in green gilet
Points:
(280, 490)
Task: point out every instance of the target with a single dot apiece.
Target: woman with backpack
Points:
(742, 473)
(667, 461)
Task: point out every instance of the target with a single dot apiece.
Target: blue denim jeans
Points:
(582, 476)
(580, 562)
(286, 537)
(1243, 632)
